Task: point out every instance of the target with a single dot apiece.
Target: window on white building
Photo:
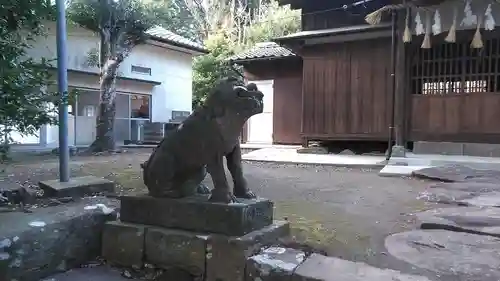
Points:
(89, 111)
(140, 70)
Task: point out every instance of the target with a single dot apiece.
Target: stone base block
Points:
(77, 187)
(226, 256)
(198, 214)
(273, 264)
(123, 244)
(173, 248)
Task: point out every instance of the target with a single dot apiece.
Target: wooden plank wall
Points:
(347, 91)
(456, 118)
(287, 109)
(455, 91)
(287, 76)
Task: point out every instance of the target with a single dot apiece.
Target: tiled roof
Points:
(161, 34)
(264, 50)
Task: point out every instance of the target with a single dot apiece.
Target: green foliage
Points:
(273, 21)
(24, 104)
(121, 24)
(126, 20)
(208, 69)
(175, 16)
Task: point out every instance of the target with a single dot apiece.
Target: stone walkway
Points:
(462, 241)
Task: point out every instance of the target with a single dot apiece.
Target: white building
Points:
(156, 75)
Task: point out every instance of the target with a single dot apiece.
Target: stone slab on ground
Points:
(458, 173)
(168, 247)
(123, 244)
(35, 245)
(77, 187)
(479, 220)
(273, 264)
(226, 256)
(462, 256)
(445, 196)
(198, 214)
(399, 170)
(491, 199)
(476, 187)
(320, 268)
(463, 193)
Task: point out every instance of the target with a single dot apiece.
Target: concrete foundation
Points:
(77, 187)
(455, 148)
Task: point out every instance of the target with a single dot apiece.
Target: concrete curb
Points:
(52, 239)
(340, 165)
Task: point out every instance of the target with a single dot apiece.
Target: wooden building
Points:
(278, 74)
(444, 97)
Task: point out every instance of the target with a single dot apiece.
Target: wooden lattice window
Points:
(456, 68)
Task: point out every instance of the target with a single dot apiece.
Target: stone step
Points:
(280, 264)
(52, 239)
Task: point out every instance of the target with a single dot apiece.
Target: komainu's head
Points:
(232, 96)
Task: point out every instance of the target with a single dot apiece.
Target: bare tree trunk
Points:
(105, 139)
(109, 62)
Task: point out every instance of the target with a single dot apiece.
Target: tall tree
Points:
(121, 25)
(210, 68)
(23, 100)
(176, 16)
(268, 21)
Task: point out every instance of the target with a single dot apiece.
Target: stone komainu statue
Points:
(179, 164)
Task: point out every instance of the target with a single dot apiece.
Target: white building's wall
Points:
(171, 68)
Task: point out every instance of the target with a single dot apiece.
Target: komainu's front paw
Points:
(222, 197)
(244, 193)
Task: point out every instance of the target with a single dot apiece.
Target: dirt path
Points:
(347, 212)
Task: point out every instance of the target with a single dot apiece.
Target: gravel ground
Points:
(346, 212)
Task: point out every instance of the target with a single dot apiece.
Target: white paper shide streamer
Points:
(436, 27)
(419, 26)
(489, 21)
(469, 18)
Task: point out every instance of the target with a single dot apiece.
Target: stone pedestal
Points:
(398, 151)
(208, 240)
(198, 214)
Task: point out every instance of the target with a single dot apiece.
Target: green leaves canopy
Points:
(24, 104)
(124, 17)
